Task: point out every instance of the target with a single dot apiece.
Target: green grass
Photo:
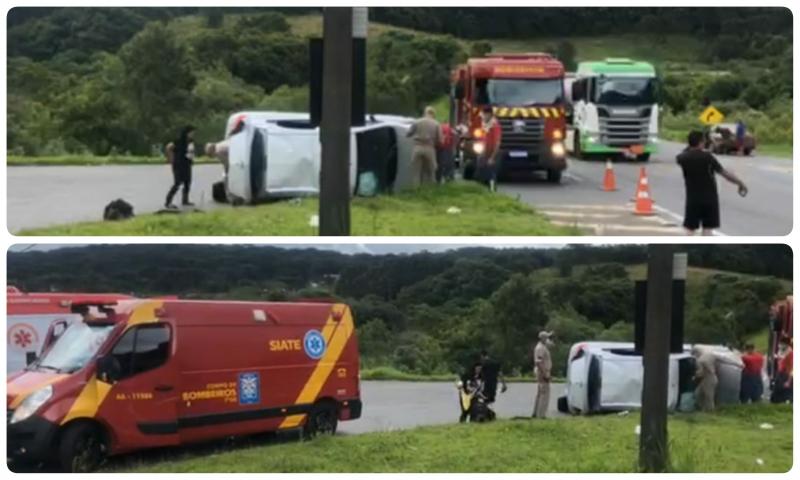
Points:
(91, 160)
(422, 212)
(728, 441)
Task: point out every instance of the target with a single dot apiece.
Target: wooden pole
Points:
(337, 79)
(653, 448)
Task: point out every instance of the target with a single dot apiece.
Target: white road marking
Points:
(679, 219)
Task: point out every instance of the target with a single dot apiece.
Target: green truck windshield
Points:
(626, 90)
(519, 92)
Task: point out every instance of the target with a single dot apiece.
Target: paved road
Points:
(767, 210)
(46, 196)
(401, 405)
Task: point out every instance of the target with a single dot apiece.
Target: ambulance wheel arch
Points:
(82, 445)
(323, 418)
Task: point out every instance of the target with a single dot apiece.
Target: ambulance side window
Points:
(141, 349)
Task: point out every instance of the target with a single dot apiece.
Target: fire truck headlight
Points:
(32, 403)
(478, 147)
(558, 134)
(477, 133)
(558, 150)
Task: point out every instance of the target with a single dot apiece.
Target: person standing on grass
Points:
(181, 155)
(491, 374)
(543, 366)
(426, 134)
(487, 159)
(702, 199)
(445, 151)
(784, 376)
(752, 386)
(706, 378)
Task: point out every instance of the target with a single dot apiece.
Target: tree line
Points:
(431, 312)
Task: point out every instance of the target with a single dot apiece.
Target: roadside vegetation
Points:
(425, 316)
(730, 441)
(456, 209)
(104, 94)
(92, 160)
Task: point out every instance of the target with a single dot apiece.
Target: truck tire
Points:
(747, 151)
(563, 407)
(645, 157)
(218, 192)
(322, 420)
(554, 176)
(82, 448)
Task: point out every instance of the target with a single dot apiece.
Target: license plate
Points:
(637, 149)
(518, 154)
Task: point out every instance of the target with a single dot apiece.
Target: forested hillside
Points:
(121, 80)
(430, 312)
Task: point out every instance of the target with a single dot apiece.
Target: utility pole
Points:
(337, 91)
(653, 449)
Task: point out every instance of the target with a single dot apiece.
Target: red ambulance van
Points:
(152, 373)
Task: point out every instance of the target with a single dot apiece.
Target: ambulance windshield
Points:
(74, 348)
(626, 91)
(519, 92)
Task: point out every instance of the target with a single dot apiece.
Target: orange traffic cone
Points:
(609, 180)
(644, 202)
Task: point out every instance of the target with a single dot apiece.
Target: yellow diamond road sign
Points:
(711, 116)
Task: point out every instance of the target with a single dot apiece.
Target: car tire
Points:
(322, 420)
(82, 448)
(218, 192)
(563, 407)
(554, 176)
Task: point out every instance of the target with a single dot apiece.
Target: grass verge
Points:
(422, 212)
(90, 160)
(728, 441)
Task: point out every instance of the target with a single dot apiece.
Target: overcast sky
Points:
(348, 248)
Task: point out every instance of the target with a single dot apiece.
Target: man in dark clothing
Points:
(491, 374)
(181, 155)
(702, 200)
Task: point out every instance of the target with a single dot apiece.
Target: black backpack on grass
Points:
(119, 209)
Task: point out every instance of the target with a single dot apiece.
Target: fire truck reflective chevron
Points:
(525, 112)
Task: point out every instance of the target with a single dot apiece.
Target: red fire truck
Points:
(526, 92)
(138, 374)
(34, 320)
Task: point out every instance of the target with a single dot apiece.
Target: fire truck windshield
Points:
(74, 348)
(519, 92)
(626, 91)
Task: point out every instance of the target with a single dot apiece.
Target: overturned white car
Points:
(272, 155)
(607, 377)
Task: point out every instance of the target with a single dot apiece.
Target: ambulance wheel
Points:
(218, 192)
(554, 176)
(82, 448)
(322, 420)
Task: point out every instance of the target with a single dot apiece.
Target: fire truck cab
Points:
(151, 373)
(526, 93)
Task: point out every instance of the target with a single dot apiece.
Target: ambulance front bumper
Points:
(29, 440)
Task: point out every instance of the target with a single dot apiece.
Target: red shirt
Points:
(753, 363)
(447, 137)
(493, 136)
(785, 364)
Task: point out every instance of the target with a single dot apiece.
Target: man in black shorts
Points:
(702, 201)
